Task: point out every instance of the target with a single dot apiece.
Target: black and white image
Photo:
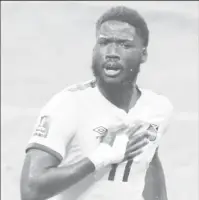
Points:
(99, 100)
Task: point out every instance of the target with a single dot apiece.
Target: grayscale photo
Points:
(99, 100)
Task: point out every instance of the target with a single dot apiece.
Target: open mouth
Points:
(112, 70)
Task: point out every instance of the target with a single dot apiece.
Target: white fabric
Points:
(61, 111)
(80, 117)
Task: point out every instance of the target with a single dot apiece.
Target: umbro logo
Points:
(101, 130)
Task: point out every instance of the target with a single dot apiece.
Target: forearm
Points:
(55, 180)
(155, 184)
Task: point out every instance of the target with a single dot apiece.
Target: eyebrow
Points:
(118, 39)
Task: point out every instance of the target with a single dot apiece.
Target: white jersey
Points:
(69, 127)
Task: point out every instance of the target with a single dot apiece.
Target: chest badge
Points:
(153, 130)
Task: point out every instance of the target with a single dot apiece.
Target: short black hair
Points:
(128, 15)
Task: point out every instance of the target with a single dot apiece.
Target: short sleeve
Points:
(157, 127)
(55, 126)
(160, 123)
(164, 119)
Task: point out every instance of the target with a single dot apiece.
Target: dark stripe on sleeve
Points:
(112, 172)
(127, 171)
(44, 148)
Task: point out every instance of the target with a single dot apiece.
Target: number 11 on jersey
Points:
(126, 173)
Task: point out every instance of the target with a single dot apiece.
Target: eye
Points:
(125, 45)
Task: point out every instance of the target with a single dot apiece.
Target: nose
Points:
(112, 57)
(112, 54)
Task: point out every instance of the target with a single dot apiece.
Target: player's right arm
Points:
(41, 176)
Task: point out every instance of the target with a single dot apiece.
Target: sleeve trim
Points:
(44, 148)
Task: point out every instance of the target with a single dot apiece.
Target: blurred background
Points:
(46, 46)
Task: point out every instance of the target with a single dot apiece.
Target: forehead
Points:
(117, 29)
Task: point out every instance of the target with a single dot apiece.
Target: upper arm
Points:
(152, 171)
(55, 127)
(54, 130)
(37, 161)
(35, 164)
(155, 184)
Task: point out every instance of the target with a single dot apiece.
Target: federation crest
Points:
(153, 130)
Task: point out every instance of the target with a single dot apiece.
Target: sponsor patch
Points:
(43, 127)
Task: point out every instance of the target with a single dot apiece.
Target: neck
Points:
(123, 96)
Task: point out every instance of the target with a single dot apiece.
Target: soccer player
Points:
(99, 140)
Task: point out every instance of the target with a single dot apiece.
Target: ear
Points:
(94, 48)
(144, 55)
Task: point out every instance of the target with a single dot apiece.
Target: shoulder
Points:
(82, 86)
(158, 101)
(68, 97)
(59, 101)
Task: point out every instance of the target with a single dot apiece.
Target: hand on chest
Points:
(95, 128)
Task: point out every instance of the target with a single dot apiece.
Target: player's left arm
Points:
(155, 184)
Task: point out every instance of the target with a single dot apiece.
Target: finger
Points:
(137, 146)
(121, 129)
(116, 127)
(132, 130)
(109, 138)
(137, 138)
(133, 154)
(135, 128)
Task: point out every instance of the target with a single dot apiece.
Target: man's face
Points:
(118, 53)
